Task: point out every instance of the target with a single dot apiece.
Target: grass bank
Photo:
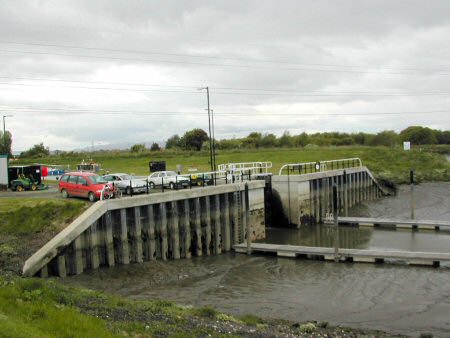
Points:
(45, 308)
(28, 223)
(386, 163)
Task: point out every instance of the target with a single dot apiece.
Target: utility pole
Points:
(213, 141)
(4, 130)
(209, 126)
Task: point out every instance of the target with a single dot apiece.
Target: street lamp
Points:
(4, 130)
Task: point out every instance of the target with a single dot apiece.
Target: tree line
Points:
(197, 139)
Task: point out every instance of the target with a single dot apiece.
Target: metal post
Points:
(210, 136)
(146, 185)
(248, 230)
(411, 179)
(213, 143)
(345, 194)
(336, 225)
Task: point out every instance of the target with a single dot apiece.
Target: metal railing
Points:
(319, 166)
(245, 167)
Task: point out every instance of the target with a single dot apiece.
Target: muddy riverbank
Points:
(394, 298)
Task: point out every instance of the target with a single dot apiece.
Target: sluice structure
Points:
(171, 225)
(305, 190)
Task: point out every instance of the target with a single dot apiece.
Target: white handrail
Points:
(322, 165)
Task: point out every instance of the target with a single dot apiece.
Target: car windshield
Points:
(126, 177)
(171, 173)
(95, 179)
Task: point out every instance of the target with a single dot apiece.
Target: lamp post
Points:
(4, 130)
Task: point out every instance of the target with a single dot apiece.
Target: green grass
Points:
(44, 308)
(387, 163)
(30, 308)
(20, 216)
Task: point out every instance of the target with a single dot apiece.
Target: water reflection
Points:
(362, 238)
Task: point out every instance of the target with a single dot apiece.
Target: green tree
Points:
(38, 150)
(5, 143)
(285, 140)
(269, 141)
(253, 140)
(138, 148)
(443, 137)
(194, 139)
(155, 147)
(418, 135)
(387, 138)
(173, 142)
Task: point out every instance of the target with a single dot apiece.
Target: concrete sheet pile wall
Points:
(173, 225)
(308, 198)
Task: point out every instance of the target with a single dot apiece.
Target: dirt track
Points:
(51, 192)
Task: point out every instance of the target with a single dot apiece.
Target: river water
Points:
(395, 298)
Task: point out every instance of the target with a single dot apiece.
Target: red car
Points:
(85, 184)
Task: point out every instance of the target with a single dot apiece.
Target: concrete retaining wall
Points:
(170, 225)
(308, 198)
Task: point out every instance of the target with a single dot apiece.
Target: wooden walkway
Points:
(395, 223)
(348, 255)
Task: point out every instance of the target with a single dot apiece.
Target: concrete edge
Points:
(45, 254)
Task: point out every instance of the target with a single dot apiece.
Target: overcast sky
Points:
(78, 72)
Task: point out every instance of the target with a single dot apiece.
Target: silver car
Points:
(122, 182)
(169, 179)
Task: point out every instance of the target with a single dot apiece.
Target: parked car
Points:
(122, 181)
(169, 179)
(85, 184)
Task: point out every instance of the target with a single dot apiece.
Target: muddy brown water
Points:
(395, 298)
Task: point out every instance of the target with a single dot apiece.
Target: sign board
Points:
(3, 169)
(157, 166)
(407, 145)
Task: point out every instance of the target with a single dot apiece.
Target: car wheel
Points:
(20, 188)
(152, 185)
(34, 187)
(91, 196)
(172, 185)
(64, 193)
(128, 191)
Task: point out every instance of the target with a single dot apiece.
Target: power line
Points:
(219, 57)
(222, 91)
(184, 38)
(216, 64)
(174, 113)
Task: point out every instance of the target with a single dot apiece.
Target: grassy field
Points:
(387, 163)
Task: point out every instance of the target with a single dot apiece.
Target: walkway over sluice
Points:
(396, 223)
(305, 190)
(347, 255)
(171, 225)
